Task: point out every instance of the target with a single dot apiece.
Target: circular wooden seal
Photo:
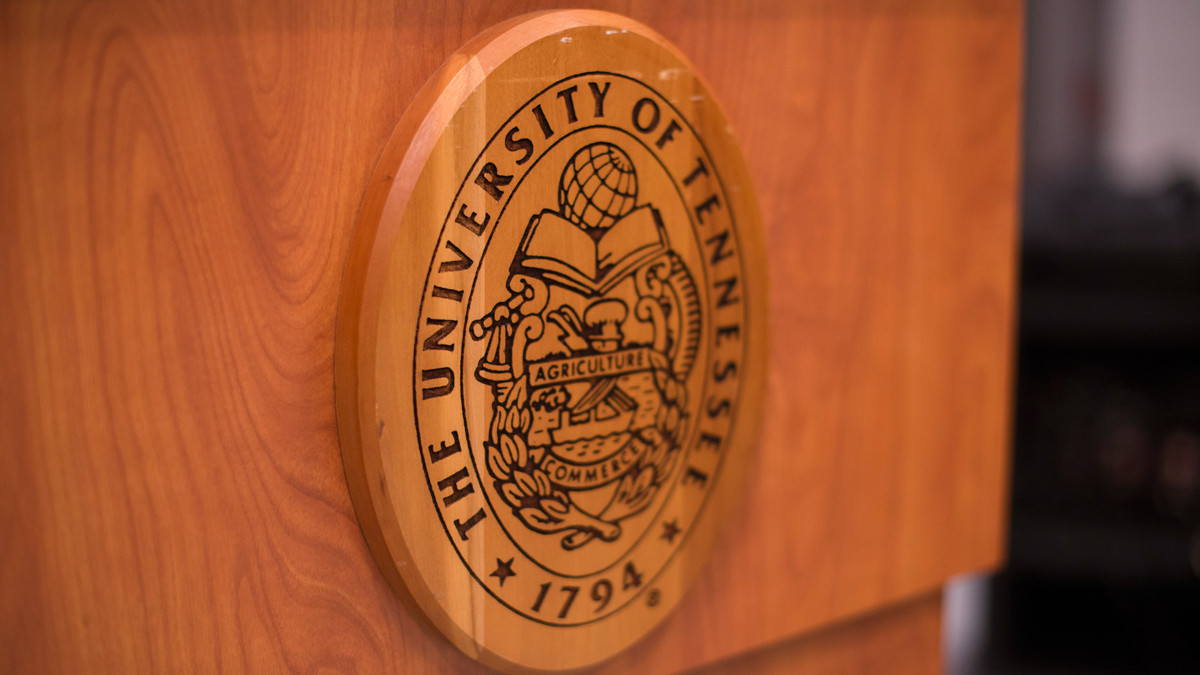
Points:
(550, 342)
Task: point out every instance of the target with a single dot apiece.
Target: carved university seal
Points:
(602, 377)
(556, 351)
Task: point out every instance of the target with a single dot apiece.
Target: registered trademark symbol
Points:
(653, 597)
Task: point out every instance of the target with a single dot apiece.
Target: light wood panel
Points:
(905, 638)
(178, 183)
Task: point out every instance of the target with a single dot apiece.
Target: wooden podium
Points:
(180, 182)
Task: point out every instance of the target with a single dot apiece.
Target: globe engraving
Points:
(598, 187)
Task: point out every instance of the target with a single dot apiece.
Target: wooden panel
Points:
(178, 183)
(893, 641)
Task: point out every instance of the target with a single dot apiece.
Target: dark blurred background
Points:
(1104, 544)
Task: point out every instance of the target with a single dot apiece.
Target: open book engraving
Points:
(559, 251)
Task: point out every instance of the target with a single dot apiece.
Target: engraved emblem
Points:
(588, 389)
(551, 342)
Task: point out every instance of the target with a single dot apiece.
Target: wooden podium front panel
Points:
(903, 638)
(178, 190)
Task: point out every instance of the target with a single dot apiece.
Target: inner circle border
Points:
(699, 510)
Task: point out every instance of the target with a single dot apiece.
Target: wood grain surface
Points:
(900, 639)
(178, 184)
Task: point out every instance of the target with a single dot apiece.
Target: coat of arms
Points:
(587, 358)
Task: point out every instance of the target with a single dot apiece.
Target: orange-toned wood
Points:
(905, 638)
(178, 184)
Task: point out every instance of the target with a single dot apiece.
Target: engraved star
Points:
(670, 530)
(503, 570)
